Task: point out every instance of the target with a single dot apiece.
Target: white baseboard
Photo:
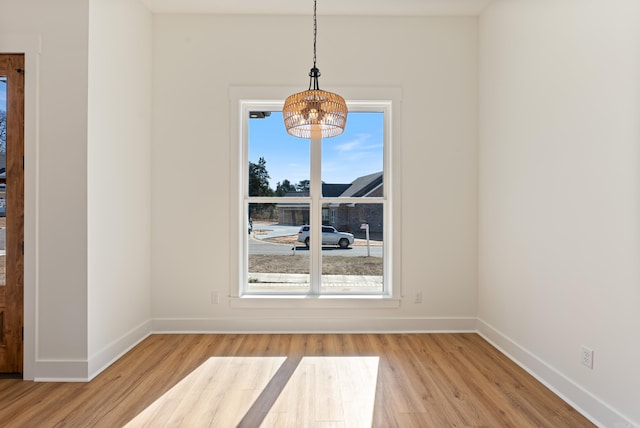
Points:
(283, 325)
(61, 371)
(583, 401)
(116, 349)
(85, 370)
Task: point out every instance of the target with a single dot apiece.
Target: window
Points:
(319, 212)
(292, 185)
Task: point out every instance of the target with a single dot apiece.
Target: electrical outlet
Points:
(215, 298)
(418, 297)
(587, 357)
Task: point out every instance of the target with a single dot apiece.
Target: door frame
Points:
(31, 46)
(12, 291)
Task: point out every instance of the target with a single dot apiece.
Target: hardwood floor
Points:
(423, 380)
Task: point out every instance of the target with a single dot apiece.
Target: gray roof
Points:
(362, 186)
(334, 190)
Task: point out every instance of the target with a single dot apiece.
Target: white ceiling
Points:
(325, 7)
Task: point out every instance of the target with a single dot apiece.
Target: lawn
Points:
(331, 265)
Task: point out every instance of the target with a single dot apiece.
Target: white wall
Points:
(197, 59)
(559, 195)
(56, 227)
(87, 271)
(119, 173)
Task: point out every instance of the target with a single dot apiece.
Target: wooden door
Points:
(11, 212)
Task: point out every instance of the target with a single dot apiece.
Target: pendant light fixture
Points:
(314, 113)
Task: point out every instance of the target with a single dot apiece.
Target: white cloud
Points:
(357, 144)
(349, 146)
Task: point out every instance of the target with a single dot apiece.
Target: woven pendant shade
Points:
(315, 114)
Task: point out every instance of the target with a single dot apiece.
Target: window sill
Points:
(314, 302)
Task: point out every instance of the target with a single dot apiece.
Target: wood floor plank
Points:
(482, 396)
(328, 391)
(447, 385)
(358, 379)
(221, 385)
(263, 404)
(423, 380)
(488, 386)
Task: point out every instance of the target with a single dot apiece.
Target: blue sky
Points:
(356, 152)
(3, 95)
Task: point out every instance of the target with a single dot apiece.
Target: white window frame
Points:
(243, 100)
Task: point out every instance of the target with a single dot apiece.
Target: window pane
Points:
(356, 268)
(278, 257)
(3, 177)
(352, 163)
(278, 162)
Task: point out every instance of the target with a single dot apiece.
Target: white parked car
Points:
(330, 236)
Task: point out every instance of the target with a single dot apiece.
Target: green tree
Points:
(285, 187)
(259, 179)
(303, 186)
(259, 186)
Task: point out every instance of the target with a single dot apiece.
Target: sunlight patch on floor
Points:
(327, 391)
(338, 391)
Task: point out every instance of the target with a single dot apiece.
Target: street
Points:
(258, 245)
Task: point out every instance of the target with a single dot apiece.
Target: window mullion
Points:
(316, 215)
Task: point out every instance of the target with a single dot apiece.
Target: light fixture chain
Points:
(315, 32)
